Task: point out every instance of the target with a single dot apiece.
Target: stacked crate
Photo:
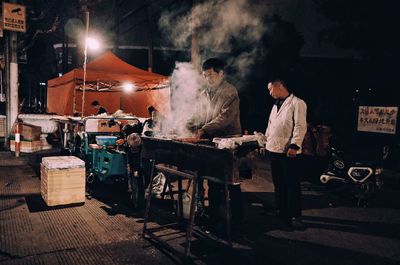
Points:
(27, 146)
(2, 126)
(62, 180)
(30, 139)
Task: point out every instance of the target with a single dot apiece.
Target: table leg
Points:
(228, 213)
(180, 200)
(190, 224)
(148, 200)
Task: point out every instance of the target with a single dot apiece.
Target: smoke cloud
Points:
(221, 25)
(186, 84)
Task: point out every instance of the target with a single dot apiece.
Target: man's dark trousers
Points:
(285, 175)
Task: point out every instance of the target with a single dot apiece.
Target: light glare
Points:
(128, 87)
(92, 43)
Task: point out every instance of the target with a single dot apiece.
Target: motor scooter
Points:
(363, 178)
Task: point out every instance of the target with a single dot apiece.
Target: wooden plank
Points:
(27, 146)
(2, 126)
(63, 200)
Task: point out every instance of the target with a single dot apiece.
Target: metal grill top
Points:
(216, 164)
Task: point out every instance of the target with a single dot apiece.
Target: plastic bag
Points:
(158, 186)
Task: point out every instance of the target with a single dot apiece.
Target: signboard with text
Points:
(14, 17)
(377, 119)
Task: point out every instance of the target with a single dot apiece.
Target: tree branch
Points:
(38, 32)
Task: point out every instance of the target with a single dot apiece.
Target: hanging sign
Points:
(14, 17)
(377, 119)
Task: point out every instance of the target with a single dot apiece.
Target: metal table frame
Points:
(193, 176)
(193, 162)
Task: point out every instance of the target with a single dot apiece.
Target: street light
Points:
(92, 43)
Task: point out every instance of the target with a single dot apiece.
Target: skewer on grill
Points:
(192, 140)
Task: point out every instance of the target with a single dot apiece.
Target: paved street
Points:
(158, 87)
(105, 230)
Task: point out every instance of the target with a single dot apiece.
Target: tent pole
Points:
(85, 62)
(150, 37)
(74, 100)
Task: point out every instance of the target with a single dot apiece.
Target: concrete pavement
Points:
(105, 230)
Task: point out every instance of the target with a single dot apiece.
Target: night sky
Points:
(342, 53)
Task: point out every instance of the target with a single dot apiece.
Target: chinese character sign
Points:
(14, 17)
(377, 119)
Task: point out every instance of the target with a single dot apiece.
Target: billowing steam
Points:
(219, 21)
(186, 84)
(221, 25)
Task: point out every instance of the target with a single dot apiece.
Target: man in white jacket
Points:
(284, 136)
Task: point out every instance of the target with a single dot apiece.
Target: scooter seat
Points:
(94, 146)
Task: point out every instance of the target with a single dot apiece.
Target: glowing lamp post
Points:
(92, 44)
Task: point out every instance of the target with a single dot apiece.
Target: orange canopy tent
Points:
(105, 77)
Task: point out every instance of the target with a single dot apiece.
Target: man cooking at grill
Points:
(220, 116)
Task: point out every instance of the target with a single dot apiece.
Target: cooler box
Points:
(100, 125)
(106, 140)
(62, 180)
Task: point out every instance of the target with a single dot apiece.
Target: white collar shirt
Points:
(286, 126)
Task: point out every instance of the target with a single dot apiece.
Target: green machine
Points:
(105, 160)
